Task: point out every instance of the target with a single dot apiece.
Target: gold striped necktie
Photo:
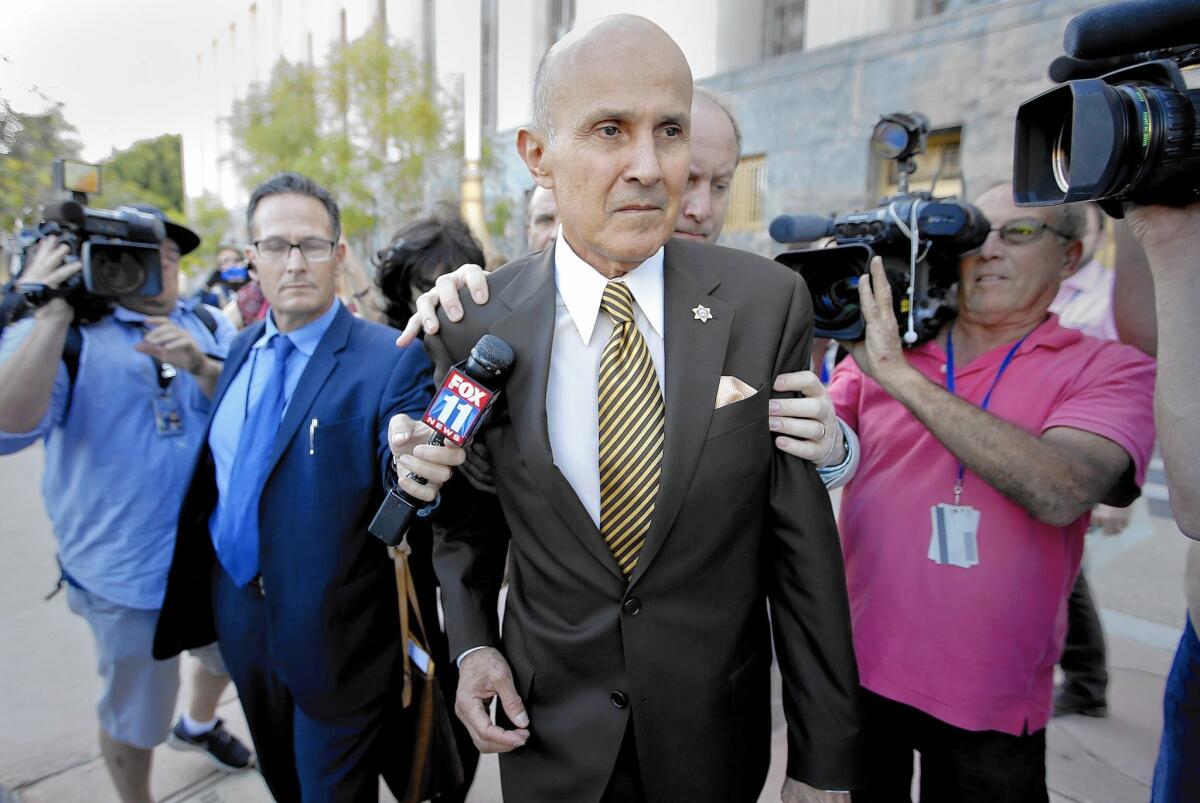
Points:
(631, 432)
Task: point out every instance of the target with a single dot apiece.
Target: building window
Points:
(783, 27)
(747, 195)
(941, 162)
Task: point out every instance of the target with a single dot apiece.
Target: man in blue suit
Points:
(272, 556)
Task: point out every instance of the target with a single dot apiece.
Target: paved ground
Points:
(47, 677)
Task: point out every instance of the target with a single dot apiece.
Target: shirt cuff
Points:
(843, 472)
(430, 507)
(458, 661)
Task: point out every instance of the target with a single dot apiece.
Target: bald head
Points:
(593, 47)
(610, 139)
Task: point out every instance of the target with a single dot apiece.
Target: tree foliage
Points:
(364, 125)
(209, 218)
(153, 166)
(25, 172)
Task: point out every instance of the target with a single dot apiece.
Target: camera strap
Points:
(950, 385)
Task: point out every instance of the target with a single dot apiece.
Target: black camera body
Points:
(118, 249)
(1114, 136)
(918, 237)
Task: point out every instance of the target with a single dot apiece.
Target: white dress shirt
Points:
(581, 332)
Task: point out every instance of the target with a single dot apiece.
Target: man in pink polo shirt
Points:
(963, 528)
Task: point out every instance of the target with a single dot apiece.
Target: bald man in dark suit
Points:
(651, 517)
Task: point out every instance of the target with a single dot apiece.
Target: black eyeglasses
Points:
(277, 249)
(1026, 230)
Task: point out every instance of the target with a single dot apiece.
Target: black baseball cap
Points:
(187, 240)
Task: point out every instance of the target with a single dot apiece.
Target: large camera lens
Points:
(1128, 136)
(114, 268)
(119, 272)
(837, 304)
(1060, 157)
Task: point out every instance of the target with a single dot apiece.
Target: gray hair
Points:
(1070, 220)
(295, 184)
(725, 104)
(541, 97)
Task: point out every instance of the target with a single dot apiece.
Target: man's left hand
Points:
(880, 354)
(413, 455)
(169, 343)
(806, 427)
(797, 792)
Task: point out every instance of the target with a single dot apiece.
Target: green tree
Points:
(153, 166)
(277, 127)
(209, 218)
(364, 125)
(25, 171)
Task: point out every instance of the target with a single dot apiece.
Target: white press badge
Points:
(954, 540)
(168, 415)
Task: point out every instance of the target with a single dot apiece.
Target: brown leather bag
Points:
(435, 768)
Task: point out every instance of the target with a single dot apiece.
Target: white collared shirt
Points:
(580, 334)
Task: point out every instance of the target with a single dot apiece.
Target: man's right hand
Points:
(482, 675)
(445, 294)
(46, 266)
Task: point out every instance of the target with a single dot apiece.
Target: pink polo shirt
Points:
(975, 647)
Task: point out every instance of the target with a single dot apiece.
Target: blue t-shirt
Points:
(113, 486)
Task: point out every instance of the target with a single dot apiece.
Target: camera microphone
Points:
(1065, 68)
(800, 228)
(1132, 26)
(457, 412)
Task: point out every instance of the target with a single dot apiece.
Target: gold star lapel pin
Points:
(702, 313)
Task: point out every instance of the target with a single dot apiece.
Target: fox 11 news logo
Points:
(458, 407)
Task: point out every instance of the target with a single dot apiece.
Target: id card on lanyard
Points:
(954, 540)
(168, 415)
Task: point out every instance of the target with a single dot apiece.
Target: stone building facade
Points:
(807, 116)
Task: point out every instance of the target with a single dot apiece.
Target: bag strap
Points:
(72, 351)
(410, 612)
(206, 318)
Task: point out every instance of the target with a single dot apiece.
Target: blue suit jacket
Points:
(333, 630)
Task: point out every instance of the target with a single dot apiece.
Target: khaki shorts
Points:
(137, 698)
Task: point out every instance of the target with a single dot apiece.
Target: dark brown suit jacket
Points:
(686, 644)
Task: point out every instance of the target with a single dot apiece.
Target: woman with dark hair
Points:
(418, 253)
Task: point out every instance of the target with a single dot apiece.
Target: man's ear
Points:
(531, 147)
(339, 255)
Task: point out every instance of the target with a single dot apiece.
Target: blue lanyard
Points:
(1008, 358)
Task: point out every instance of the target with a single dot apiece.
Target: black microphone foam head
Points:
(1131, 26)
(800, 228)
(494, 357)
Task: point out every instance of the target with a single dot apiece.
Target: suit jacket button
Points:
(632, 606)
(619, 700)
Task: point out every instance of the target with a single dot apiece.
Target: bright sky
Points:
(124, 69)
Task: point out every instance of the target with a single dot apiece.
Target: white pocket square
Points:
(730, 390)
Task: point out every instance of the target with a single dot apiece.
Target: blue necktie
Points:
(236, 537)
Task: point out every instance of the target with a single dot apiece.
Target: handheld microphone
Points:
(1130, 27)
(800, 228)
(456, 414)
